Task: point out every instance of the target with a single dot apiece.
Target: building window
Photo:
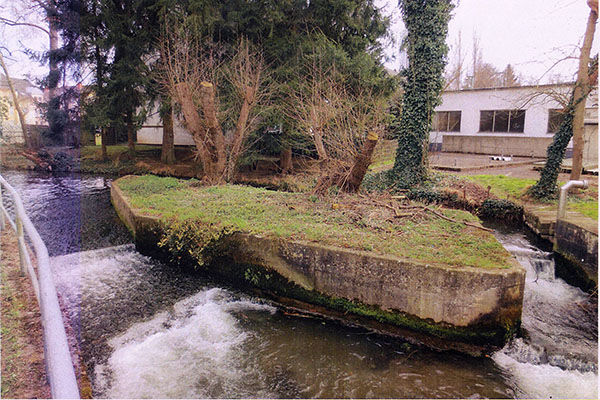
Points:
(446, 121)
(555, 118)
(509, 121)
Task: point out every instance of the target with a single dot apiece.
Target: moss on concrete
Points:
(272, 283)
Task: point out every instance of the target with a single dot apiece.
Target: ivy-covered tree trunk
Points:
(427, 25)
(546, 187)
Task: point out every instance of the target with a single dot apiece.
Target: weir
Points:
(150, 330)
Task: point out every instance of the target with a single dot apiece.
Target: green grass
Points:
(94, 152)
(504, 186)
(584, 202)
(380, 164)
(589, 208)
(299, 216)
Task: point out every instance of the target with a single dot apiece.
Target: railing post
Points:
(1, 212)
(20, 239)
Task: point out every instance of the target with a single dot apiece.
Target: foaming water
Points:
(558, 357)
(196, 349)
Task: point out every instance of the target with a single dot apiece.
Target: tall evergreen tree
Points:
(129, 37)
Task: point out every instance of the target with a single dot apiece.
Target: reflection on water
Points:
(148, 330)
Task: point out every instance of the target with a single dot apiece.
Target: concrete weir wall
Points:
(467, 299)
(576, 239)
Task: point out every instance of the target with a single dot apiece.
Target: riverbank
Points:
(23, 369)
(436, 272)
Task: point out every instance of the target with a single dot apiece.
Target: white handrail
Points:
(59, 366)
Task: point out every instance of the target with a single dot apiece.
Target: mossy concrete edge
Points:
(478, 305)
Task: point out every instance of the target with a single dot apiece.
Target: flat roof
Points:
(565, 84)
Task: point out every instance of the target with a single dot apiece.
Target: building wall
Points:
(536, 100)
(152, 131)
(11, 126)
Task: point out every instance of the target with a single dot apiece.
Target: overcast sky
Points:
(531, 35)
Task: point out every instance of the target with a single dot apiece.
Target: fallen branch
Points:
(455, 221)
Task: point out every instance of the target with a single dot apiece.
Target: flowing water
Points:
(148, 330)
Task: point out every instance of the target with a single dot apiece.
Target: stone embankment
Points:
(454, 305)
(575, 242)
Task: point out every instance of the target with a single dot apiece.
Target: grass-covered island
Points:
(401, 264)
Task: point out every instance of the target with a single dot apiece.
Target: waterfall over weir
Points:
(147, 330)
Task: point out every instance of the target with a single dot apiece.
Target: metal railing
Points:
(59, 366)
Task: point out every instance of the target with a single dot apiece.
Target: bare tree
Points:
(28, 142)
(455, 67)
(343, 126)
(582, 89)
(193, 69)
(483, 75)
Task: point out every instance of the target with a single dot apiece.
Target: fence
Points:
(59, 366)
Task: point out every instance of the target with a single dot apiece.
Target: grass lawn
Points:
(584, 202)
(345, 221)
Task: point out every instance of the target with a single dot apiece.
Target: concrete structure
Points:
(517, 121)
(576, 239)
(464, 304)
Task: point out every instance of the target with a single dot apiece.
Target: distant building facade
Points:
(519, 121)
(151, 131)
(29, 96)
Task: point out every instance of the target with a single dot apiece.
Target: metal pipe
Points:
(59, 365)
(564, 191)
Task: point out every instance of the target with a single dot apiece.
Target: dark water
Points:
(150, 331)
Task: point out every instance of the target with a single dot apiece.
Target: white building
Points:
(151, 131)
(517, 121)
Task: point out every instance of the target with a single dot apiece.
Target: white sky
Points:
(531, 35)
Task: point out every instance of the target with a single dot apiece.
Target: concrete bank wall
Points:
(487, 300)
(525, 146)
(575, 244)
(576, 240)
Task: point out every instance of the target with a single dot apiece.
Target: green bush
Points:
(501, 209)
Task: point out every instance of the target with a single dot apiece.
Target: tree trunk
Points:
(130, 134)
(318, 139)
(194, 124)
(57, 128)
(104, 139)
(581, 89)
(26, 138)
(168, 145)
(285, 160)
(240, 132)
(216, 140)
(361, 163)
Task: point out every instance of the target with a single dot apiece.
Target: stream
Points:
(147, 330)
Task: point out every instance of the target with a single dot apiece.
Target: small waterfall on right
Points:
(557, 357)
